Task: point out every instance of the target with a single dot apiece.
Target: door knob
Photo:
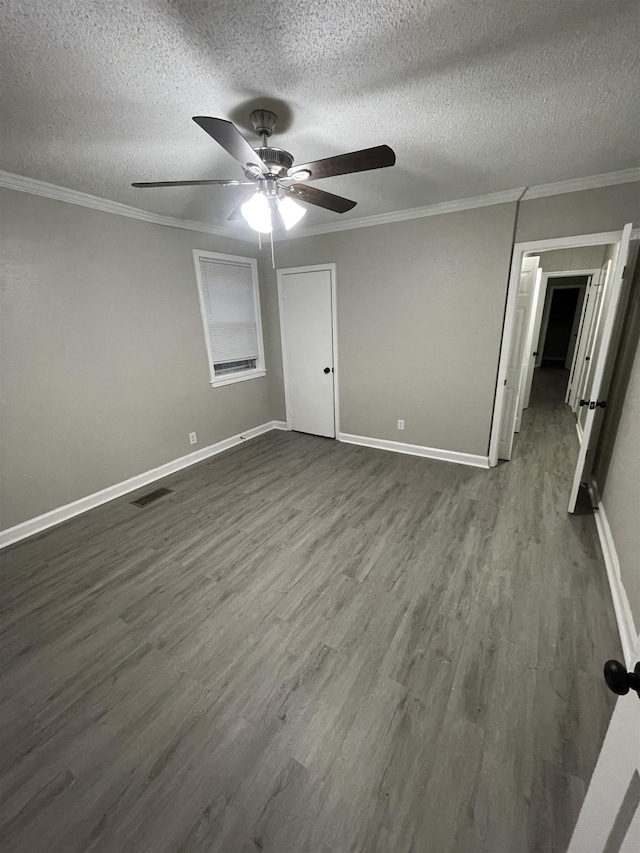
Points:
(619, 680)
(327, 370)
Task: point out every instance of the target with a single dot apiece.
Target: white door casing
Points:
(513, 380)
(533, 332)
(591, 301)
(599, 362)
(575, 327)
(592, 320)
(307, 325)
(609, 821)
(580, 342)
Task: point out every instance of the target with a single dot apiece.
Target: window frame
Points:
(260, 369)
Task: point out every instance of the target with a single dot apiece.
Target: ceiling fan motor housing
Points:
(276, 160)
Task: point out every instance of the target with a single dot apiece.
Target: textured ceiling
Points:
(475, 97)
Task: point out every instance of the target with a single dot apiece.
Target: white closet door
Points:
(307, 341)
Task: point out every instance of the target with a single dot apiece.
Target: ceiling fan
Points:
(276, 180)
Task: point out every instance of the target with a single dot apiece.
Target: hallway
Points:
(312, 647)
(548, 424)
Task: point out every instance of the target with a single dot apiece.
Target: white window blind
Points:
(228, 298)
(231, 320)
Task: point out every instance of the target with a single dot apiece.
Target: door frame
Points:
(552, 286)
(519, 251)
(331, 268)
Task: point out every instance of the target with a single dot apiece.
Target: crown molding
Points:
(42, 188)
(523, 194)
(412, 213)
(31, 185)
(593, 182)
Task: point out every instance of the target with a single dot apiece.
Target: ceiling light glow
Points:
(290, 211)
(257, 214)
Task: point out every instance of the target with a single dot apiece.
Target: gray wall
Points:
(586, 212)
(621, 496)
(617, 462)
(582, 258)
(420, 310)
(104, 368)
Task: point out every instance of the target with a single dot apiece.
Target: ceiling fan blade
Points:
(320, 198)
(344, 164)
(143, 185)
(227, 134)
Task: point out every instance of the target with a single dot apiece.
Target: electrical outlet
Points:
(193, 438)
(400, 424)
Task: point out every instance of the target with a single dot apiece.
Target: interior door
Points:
(573, 340)
(585, 348)
(601, 354)
(583, 334)
(609, 821)
(533, 333)
(511, 405)
(306, 318)
(580, 340)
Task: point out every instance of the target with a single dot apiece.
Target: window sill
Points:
(241, 377)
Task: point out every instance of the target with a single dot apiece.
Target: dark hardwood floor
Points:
(311, 647)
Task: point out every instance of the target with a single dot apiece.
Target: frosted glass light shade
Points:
(290, 212)
(257, 214)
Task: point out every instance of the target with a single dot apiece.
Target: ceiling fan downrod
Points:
(263, 122)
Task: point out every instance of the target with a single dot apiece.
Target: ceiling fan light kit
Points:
(272, 172)
(256, 213)
(290, 212)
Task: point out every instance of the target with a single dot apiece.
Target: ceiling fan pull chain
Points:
(273, 260)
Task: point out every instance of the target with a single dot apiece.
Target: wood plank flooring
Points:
(311, 647)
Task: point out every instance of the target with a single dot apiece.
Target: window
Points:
(230, 306)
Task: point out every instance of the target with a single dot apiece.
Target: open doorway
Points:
(557, 323)
(565, 296)
(560, 324)
(558, 336)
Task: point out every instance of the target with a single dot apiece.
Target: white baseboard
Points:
(63, 513)
(417, 450)
(624, 617)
